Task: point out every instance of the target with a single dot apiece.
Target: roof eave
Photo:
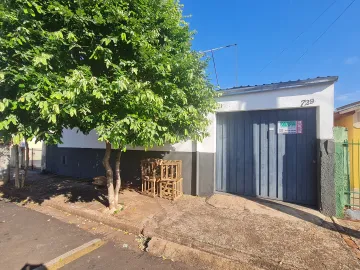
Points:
(349, 107)
(347, 110)
(278, 86)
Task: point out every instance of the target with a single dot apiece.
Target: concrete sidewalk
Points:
(265, 234)
(80, 196)
(226, 232)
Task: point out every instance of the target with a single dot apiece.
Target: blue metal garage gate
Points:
(262, 153)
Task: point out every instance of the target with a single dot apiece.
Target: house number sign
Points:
(290, 127)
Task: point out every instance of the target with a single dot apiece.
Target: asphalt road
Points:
(110, 256)
(28, 237)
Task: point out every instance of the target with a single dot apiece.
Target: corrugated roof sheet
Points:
(348, 106)
(278, 85)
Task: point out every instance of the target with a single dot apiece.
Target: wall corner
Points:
(326, 180)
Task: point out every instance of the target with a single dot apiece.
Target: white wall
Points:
(35, 145)
(208, 145)
(322, 94)
(73, 139)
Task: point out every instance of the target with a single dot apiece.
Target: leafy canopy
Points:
(122, 67)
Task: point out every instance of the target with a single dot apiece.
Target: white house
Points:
(264, 141)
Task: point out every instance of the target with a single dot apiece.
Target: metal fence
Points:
(352, 171)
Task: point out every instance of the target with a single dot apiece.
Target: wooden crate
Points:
(170, 170)
(149, 187)
(171, 189)
(150, 174)
(162, 178)
(171, 181)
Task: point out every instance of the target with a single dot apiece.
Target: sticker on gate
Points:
(290, 127)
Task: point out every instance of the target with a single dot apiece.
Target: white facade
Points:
(288, 98)
(73, 139)
(317, 93)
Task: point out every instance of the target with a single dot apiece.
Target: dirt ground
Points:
(352, 228)
(265, 234)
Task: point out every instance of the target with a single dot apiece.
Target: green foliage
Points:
(122, 67)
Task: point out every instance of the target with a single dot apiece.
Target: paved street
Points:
(110, 256)
(32, 238)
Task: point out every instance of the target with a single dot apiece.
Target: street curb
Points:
(347, 239)
(190, 251)
(71, 255)
(121, 224)
(195, 257)
(156, 246)
(124, 225)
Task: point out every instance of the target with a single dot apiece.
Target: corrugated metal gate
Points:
(253, 159)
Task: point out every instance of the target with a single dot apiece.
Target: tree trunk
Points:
(17, 164)
(27, 160)
(109, 177)
(118, 177)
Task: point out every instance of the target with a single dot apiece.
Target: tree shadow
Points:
(40, 187)
(131, 185)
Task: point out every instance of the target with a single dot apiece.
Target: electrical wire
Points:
(294, 40)
(323, 33)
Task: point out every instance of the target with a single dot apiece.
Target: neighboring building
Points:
(348, 116)
(36, 155)
(264, 141)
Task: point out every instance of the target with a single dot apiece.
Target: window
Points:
(64, 160)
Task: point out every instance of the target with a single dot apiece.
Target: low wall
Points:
(87, 163)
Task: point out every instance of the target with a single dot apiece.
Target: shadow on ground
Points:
(303, 215)
(40, 187)
(34, 266)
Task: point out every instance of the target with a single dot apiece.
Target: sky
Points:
(263, 29)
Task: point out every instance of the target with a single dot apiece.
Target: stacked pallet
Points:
(162, 178)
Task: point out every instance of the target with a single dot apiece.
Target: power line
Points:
(294, 40)
(323, 33)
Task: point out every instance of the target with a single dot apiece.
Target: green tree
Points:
(122, 67)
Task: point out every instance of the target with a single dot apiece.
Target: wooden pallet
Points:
(171, 189)
(149, 187)
(150, 174)
(162, 178)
